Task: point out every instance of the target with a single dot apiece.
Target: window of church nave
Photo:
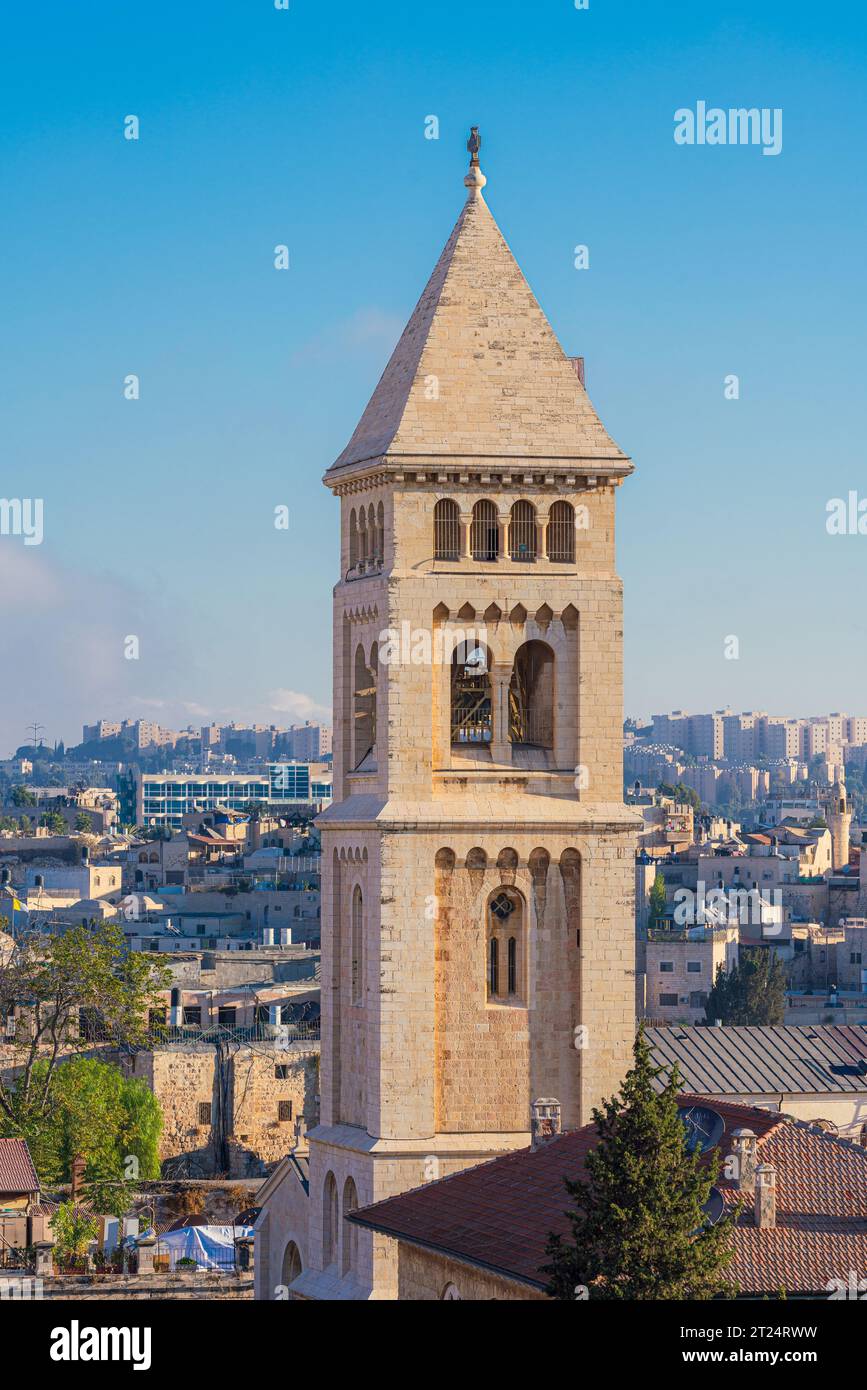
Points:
(447, 530)
(329, 1221)
(506, 949)
(522, 531)
(561, 533)
(531, 696)
(485, 532)
(357, 939)
(291, 1264)
(364, 708)
(471, 705)
(350, 1230)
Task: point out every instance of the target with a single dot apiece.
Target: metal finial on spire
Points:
(475, 179)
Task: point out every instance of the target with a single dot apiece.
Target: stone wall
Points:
(244, 1087)
(190, 1284)
(426, 1276)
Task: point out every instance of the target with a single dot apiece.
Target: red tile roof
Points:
(17, 1174)
(498, 1215)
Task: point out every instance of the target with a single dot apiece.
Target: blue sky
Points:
(306, 127)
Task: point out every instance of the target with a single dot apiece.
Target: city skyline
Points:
(728, 495)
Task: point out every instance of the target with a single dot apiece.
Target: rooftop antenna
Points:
(36, 730)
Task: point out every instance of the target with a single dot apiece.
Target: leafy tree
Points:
(688, 796)
(54, 981)
(53, 821)
(752, 992)
(657, 900)
(73, 1230)
(83, 821)
(639, 1230)
(22, 796)
(112, 1121)
(152, 832)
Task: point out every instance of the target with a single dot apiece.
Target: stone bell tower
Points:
(478, 936)
(840, 824)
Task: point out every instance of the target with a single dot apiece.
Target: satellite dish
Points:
(714, 1206)
(704, 1126)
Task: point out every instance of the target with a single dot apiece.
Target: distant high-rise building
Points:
(310, 740)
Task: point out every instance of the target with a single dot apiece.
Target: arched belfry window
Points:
(506, 945)
(485, 531)
(362, 537)
(372, 538)
(561, 533)
(531, 696)
(364, 708)
(353, 539)
(380, 533)
(522, 531)
(357, 939)
(447, 530)
(471, 705)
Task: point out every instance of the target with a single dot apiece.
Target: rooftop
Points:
(17, 1173)
(498, 1215)
(745, 1060)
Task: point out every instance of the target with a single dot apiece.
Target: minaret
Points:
(478, 931)
(839, 824)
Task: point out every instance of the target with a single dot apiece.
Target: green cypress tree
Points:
(656, 908)
(638, 1226)
(752, 993)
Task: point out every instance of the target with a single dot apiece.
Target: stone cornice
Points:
(569, 474)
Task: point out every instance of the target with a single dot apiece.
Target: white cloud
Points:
(63, 637)
(64, 665)
(297, 706)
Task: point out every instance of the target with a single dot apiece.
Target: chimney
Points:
(744, 1148)
(544, 1122)
(578, 364)
(766, 1197)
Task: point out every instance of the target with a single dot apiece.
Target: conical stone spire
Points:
(478, 376)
